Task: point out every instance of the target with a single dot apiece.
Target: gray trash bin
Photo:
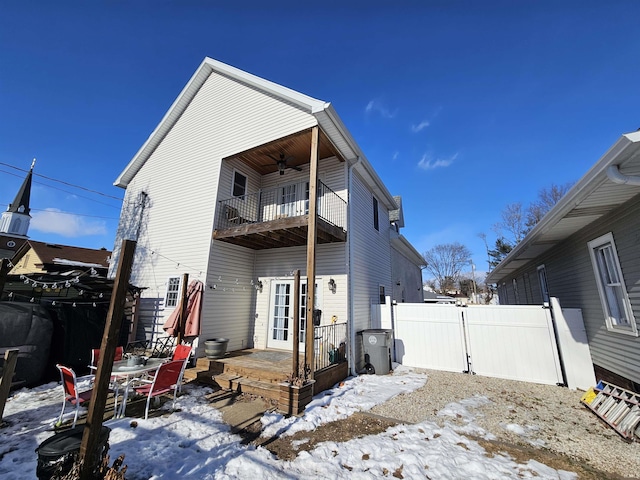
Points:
(376, 343)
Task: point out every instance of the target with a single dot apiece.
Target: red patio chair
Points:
(95, 356)
(71, 393)
(166, 379)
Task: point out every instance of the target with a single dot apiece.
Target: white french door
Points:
(281, 315)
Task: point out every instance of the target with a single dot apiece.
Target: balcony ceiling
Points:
(296, 146)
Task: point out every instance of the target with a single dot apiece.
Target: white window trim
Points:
(166, 293)
(632, 328)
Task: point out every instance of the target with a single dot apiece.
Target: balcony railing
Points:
(280, 203)
(330, 345)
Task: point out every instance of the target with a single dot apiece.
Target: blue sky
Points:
(461, 107)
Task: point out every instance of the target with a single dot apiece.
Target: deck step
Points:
(241, 384)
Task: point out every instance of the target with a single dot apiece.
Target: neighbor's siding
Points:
(370, 258)
(571, 279)
(181, 179)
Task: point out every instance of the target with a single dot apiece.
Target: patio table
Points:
(124, 373)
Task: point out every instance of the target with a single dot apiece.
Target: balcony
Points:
(279, 217)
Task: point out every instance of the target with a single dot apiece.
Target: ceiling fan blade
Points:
(296, 168)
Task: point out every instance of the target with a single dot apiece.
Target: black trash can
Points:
(61, 450)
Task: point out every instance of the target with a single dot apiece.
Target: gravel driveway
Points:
(542, 416)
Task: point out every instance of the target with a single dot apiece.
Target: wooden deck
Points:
(258, 372)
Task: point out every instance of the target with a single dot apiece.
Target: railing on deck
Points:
(282, 202)
(330, 345)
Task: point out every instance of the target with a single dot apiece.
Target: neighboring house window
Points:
(504, 295)
(382, 295)
(514, 282)
(173, 292)
(544, 287)
(611, 287)
(239, 184)
(375, 214)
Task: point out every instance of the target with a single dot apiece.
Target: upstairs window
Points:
(376, 225)
(173, 292)
(239, 184)
(382, 295)
(611, 287)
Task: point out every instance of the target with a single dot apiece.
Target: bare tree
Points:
(547, 198)
(445, 262)
(513, 222)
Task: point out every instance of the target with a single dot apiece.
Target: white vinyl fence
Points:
(518, 342)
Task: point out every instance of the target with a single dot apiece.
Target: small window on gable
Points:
(611, 287)
(376, 225)
(239, 184)
(173, 292)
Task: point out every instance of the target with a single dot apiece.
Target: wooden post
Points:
(182, 319)
(311, 252)
(4, 270)
(93, 425)
(10, 360)
(295, 368)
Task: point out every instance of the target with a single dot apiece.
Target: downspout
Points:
(351, 329)
(614, 174)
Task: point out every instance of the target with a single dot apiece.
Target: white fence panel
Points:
(429, 336)
(514, 342)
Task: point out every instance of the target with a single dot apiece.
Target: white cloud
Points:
(421, 126)
(55, 221)
(375, 106)
(428, 163)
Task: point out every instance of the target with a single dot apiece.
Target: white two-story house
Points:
(220, 190)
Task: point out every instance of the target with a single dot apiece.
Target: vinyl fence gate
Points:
(517, 342)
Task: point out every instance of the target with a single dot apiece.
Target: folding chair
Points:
(71, 393)
(166, 379)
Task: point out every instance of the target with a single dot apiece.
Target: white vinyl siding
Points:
(280, 263)
(611, 286)
(370, 258)
(223, 118)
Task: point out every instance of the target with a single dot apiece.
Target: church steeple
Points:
(15, 221)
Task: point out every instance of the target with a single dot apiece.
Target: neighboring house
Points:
(40, 257)
(220, 190)
(585, 252)
(433, 297)
(14, 223)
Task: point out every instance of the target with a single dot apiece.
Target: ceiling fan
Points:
(282, 163)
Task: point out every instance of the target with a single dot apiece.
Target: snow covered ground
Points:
(195, 442)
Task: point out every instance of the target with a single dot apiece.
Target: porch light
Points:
(332, 285)
(259, 286)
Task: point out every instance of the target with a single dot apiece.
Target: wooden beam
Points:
(295, 367)
(10, 360)
(93, 425)
(311, 252)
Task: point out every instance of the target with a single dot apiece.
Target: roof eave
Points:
(587, 184)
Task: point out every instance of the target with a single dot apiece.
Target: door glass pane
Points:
(288, 200)
(281, 312)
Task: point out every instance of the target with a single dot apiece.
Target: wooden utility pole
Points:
(93, 425)
(311, 252)
(4, 270)
(10, 360)
(295, 368)
(182, 320)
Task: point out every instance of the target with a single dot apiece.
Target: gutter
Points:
(614, 174)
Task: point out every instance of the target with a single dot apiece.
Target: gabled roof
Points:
(326, 116)
(613, 180)
(64, 255)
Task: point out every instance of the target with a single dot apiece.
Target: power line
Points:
(71, 213)
(63, 182)
(65, 191)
